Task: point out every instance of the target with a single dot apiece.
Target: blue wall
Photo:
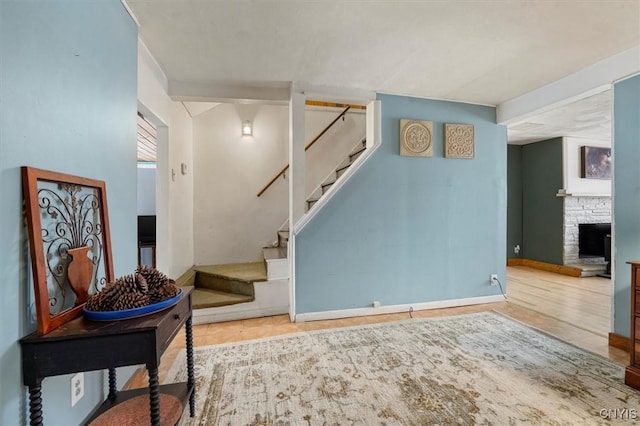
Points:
(626, 187)
(409, 229)
(68, 103)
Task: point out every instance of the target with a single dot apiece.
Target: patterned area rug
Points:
(469, 369)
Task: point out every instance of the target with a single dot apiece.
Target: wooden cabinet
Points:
(83, 345)
(632, 373)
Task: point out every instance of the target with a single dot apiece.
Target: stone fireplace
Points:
(578, 210)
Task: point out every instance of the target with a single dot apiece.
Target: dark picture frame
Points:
(69, 242)
(595, 162)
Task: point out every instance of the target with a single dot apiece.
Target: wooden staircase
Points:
(276, 259)
(218, 286)
(223, 285)
(336, 174)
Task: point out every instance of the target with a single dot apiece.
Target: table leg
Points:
(154, 396)
(113, 387)
(190, 376)
(35, 404)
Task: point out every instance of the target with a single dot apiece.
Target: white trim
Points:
(130, 12)
(149, 114)
(201, 316)
(588, 81)
(154, 66)
(291, 255)
(626, 77)
(429, 98)
(373, 143)
(345, 95)
(392, 309)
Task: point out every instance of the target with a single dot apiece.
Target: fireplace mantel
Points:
(563, 193)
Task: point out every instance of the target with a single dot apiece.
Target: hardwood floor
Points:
(576, 310)
(582, 302)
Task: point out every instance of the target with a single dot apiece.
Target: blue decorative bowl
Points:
(132, 313)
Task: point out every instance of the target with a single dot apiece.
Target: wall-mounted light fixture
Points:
(247, 128)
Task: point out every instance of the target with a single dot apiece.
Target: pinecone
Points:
(155, 279)
(130, 291)
(130, 301)
(145, 286)
(167, 291)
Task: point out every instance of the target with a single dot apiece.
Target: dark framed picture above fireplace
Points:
(595, 162)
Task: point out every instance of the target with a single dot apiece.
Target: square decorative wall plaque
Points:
(415, 138)
(459, 141)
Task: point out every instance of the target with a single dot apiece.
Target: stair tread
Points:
(248, 272)
(206, 298)
(343, 168)
(357, 152)
(270, 253)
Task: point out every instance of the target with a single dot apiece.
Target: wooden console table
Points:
(83, 345)
(632, 372)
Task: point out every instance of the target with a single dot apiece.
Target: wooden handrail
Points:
(285, 168)
(309, 102)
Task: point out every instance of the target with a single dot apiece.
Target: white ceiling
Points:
(197, 108)
(588, 118)
(475, 51)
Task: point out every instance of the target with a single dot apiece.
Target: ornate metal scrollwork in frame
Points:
(69, 242)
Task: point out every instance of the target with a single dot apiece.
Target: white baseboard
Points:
(392, 309)
(200, 316)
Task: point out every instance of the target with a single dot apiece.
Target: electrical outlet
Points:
(493, 279)
(77, 388)
(516, 249)
(375, 304)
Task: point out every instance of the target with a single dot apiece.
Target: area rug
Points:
(469, 369)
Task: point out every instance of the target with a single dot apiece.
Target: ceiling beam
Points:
(277, 92)
(588, 81)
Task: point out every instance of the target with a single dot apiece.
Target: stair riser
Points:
(341, 172)
(213, 282)
(204, 300)
(353, 157)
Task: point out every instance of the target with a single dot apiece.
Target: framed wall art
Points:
(595, 162)
(416, 138)
(69, 242)
(459, 141)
